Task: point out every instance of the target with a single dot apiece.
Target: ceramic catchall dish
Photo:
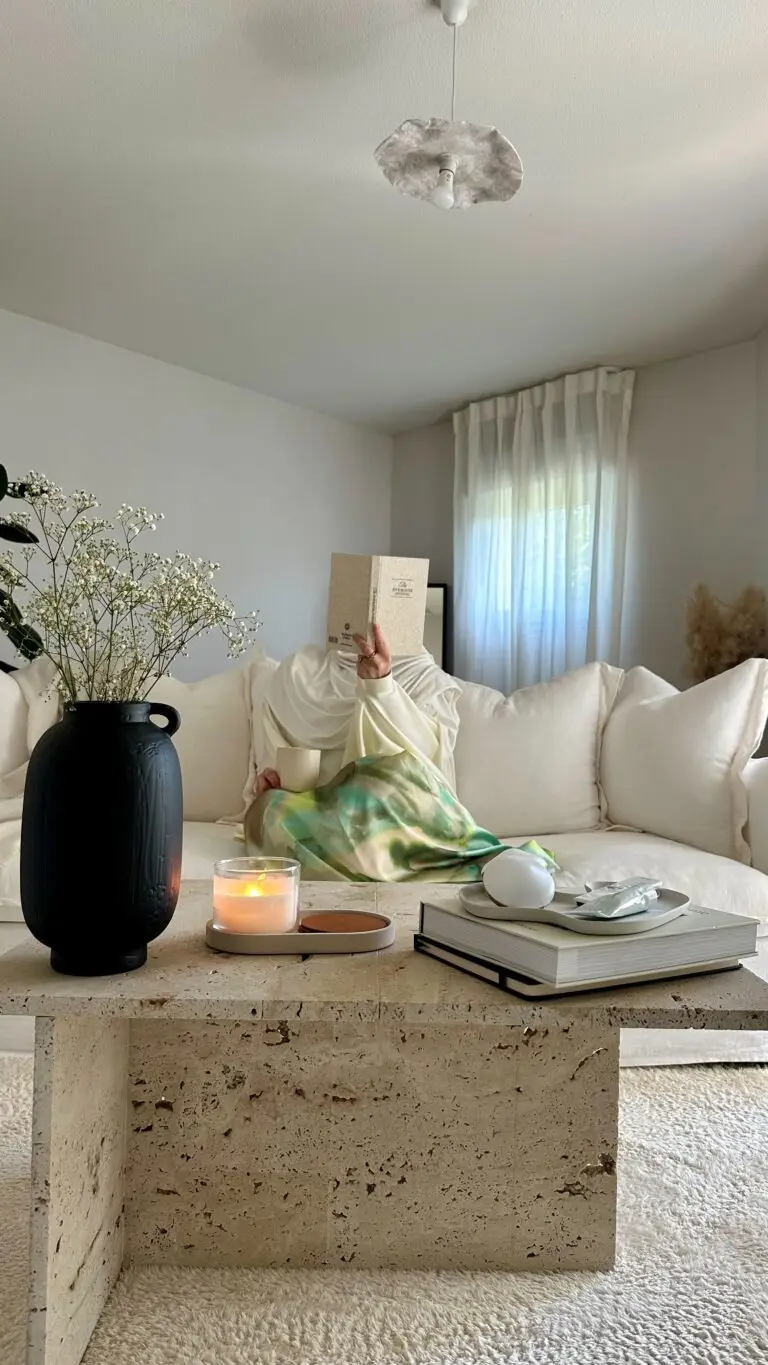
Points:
(518, 885)
(519, 880)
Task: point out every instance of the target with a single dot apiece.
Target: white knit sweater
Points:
(316, 701)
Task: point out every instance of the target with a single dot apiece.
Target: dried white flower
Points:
(111, 618)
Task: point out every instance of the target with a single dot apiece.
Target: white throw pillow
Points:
(532, 760)
(13, 725)
(673, 762)
(28, 706)
(28, 709)
(213, 742)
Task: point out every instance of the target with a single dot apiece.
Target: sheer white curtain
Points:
(540, 520)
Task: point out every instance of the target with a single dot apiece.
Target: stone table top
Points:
(184, 979)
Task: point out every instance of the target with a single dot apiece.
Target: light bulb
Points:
(442, 195)
(454, 11)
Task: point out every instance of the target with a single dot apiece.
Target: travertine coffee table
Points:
(381, 1110)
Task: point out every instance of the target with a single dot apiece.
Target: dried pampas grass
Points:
(720, 635)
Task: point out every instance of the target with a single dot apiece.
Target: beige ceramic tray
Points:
(366, 941)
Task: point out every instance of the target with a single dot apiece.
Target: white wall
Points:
(422, 498)
(693, 448)
(699, 461)
(267, 489)
(760, 521)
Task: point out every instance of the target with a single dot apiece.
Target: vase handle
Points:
(159, 708)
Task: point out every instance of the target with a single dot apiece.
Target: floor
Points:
(691, 1283)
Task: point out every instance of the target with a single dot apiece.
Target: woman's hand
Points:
(375, 661)
(268, 781)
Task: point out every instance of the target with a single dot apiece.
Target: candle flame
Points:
(265, 884)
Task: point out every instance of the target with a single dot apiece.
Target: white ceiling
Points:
(194, 179)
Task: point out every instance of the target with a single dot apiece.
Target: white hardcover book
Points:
(519, 984)
(562, 957)
(389, 591)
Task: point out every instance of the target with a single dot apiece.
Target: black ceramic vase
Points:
(101, 836)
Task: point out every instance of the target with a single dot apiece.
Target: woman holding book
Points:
(386, 808)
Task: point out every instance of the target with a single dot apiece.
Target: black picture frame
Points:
(446, 644)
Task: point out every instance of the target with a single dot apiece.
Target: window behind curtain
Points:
(540, 524)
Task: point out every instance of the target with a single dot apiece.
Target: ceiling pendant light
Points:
(448, 163)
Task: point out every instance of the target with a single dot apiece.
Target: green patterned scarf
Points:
(387, 819)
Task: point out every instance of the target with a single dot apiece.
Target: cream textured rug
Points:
(690, 1288)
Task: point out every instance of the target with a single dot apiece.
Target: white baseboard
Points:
(691, 1047)
(17, 1034)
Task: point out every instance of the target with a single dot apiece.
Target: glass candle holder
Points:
(256, 895)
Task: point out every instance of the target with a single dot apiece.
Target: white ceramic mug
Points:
(298, 769)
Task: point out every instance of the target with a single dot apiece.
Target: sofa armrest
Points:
(756, 833)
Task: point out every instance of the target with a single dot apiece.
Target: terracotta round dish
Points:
(341, 922)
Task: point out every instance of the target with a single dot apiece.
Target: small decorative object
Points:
(342, 922)
(566, 912)
(102, 819)
(101, 836)
(256, 896)
(720, 635)
(298, 769)
(451, 164)
(520, 880)
(617, 900)
(247, 928)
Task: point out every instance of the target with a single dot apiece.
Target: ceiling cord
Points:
(453, 82)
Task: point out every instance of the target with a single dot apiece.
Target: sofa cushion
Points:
(531, 760)
(10, 853)
(13, 725)
(213, 742)
(673, 762)
(756, 832)
(590, 855)
(28, 706)
(607, 855)
(204, 845)
(37, 682)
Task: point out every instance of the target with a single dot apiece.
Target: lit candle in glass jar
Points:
(256, 895)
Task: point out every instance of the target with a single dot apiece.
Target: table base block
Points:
(321, 1144)
(78, 1151)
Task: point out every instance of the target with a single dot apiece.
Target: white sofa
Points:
(564, 762)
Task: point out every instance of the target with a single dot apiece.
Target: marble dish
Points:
(563, 912)
(362, 940)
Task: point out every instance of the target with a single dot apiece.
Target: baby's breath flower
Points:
(112, 618)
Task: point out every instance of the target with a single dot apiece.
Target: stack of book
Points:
(541, 959)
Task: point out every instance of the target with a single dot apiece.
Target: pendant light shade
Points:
(448, 163)
(417, 159)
